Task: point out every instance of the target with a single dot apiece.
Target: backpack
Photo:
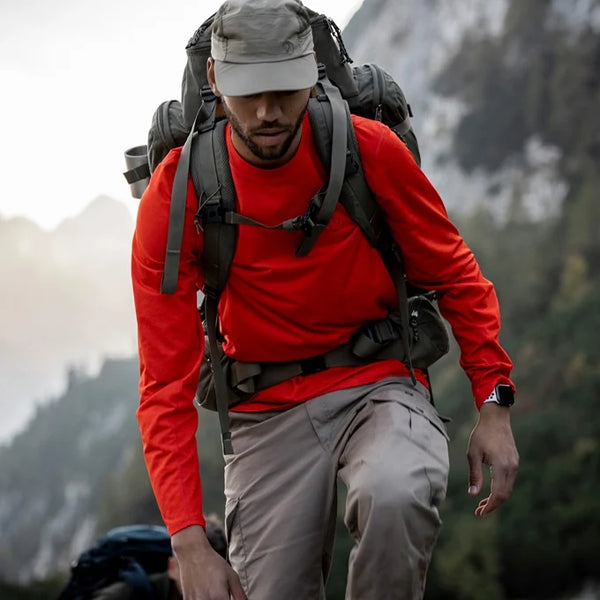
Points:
(129, 554)
(415, 332)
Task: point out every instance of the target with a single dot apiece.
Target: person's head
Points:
(263, 67)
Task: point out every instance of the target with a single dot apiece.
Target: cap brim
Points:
(244, 79)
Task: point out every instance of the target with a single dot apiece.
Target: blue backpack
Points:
(129, 554)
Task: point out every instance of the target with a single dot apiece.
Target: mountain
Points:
(66, 301)
(429, 48)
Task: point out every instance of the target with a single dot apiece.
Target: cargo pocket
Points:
(430, 437)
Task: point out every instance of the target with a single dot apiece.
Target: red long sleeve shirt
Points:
(277, 306)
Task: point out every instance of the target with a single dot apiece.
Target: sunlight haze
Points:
(80, 82)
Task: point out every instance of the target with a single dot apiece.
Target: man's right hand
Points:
(205, 575)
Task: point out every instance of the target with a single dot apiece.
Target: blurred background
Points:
(505, 96)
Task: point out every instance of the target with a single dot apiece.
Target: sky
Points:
(79, 83)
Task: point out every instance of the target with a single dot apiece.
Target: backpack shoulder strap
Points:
(330, 114)
(176, 219)
(356, 196)
(358, 199)
(216, 197)
(179, 201)
(204, 155)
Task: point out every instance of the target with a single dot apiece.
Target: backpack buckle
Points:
(210, 291)
(381, 332)
(304, 223)
(211, 213)
(210, 208)
(312, 365)
(207, 94)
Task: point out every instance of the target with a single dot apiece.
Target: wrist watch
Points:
(502, 394)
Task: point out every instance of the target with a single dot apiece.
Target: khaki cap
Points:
(261, 46)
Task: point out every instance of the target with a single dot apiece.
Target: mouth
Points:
(271, 137)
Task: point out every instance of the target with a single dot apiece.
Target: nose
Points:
(268, 106)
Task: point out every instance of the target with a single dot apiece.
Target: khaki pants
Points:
(386, 443)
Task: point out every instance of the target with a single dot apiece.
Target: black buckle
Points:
(382, 332)
(304, 223)
(207, 94)
(210, 209)
(312, 365)
(212, 214)
(210, 292)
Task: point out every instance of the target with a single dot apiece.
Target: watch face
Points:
(505, 395)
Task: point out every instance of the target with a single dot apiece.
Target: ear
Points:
(210, 76)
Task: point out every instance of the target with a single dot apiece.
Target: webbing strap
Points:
(221, 391)
(359, 201)
(216, 199)
(233, 218)
(337, 170)
(209, 153)
(394, 265)
(168, 284)
(138, 173)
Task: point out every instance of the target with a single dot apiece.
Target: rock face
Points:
(438, 51)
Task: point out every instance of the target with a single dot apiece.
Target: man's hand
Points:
(204, 573)
(491, 443)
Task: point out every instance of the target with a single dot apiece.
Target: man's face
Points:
(266, 127)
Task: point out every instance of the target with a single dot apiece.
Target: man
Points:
(369, 426)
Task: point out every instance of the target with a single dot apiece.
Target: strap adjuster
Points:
(382, 332)
(304, 223)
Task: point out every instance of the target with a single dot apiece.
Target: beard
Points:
(265, 152)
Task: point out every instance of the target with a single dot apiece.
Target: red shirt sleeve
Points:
(435, 255)
(171, 342)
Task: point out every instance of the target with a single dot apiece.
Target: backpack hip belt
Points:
(375, 341)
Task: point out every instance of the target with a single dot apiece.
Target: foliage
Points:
(545, 539)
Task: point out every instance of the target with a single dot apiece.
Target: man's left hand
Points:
(491, 443)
